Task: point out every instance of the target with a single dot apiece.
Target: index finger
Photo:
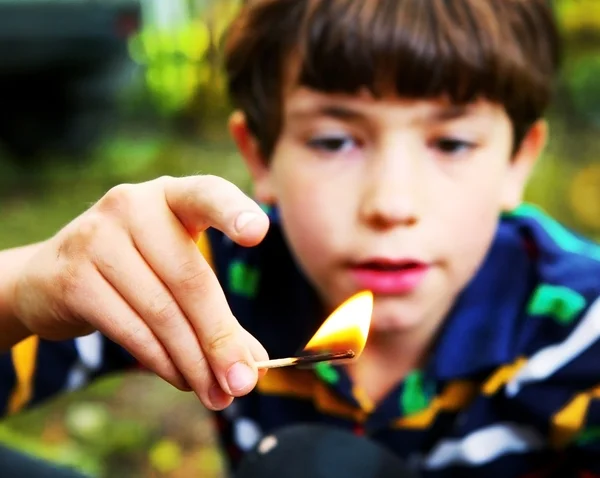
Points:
(173, 255)
(210, 201)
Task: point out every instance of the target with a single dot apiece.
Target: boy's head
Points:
(391, 134)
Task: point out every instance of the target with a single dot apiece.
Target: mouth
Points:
(388, 276)
(385, 265)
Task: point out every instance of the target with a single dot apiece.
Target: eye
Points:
(332, 144)
(452, 146)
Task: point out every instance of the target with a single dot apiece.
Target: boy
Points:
(387, 138)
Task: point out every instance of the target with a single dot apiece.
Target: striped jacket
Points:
(511, 389)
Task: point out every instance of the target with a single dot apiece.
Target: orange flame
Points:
(347, 328)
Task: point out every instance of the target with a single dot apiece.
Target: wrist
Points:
(12, 263)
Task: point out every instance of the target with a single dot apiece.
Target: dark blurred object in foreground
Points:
(15, 464)
(320, 452)
(60, 64)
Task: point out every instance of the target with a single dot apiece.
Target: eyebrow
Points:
(328, 111)
(346, 113)
(448, 113)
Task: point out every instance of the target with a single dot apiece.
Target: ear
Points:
(522, 165)
(257, 164)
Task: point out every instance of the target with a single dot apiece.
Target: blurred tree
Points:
(180, 54)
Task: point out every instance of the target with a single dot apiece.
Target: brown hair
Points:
(506, 51)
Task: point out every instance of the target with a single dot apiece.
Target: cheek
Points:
(317, 219)
(308, 232)
(306, 210)
(472, 219)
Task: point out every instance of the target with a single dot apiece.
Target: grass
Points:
(37, 204)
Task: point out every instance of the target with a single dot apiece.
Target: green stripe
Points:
(563, 237)
(588, 436)
(243, 279)
(267, 208)
(413, 398)
(326, 372)
(559, 302)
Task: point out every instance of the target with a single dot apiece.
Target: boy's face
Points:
(401, 197)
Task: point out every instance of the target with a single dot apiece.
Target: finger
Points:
(257, 350)
(218, 397)
(105, 309)
(174, 257)
(209, 201)
(127, 271)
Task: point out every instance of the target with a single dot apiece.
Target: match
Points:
(308, 359)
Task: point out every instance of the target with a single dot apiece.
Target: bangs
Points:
(460, 49)
(505, 51)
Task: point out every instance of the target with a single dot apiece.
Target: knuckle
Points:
(164, 183)
(191, 277)
(164, 179)
(142, 342)
(118, 199)
(81, 236)
(220, 339)
(165, 312)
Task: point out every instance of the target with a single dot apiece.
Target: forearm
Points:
(12, 261)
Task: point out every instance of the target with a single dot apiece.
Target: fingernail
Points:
(240, 377)
(218, 398)
(244, 219)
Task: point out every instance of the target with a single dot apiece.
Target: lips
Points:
(389, 277)
(389, 265)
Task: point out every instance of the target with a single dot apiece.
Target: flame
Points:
(347, 328)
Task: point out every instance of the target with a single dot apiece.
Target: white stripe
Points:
(484, 446)
(548, 360)
(247, 433)
(89, 349)
(78, 377)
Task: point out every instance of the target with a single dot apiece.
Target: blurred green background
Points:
(141, 96)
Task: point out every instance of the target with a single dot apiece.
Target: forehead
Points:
(304, 104)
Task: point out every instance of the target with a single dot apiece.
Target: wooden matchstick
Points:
(308, 359)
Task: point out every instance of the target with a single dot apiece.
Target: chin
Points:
(392, 325)
(390, 318)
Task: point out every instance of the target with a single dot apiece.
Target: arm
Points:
(130, 268)
(12, 261)
(20, 368)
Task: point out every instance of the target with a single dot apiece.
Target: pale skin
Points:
(352, 176)
(129, 267)
(356, 178)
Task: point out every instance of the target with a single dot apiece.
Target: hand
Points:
(130, 268)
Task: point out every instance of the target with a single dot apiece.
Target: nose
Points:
(391, 191)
